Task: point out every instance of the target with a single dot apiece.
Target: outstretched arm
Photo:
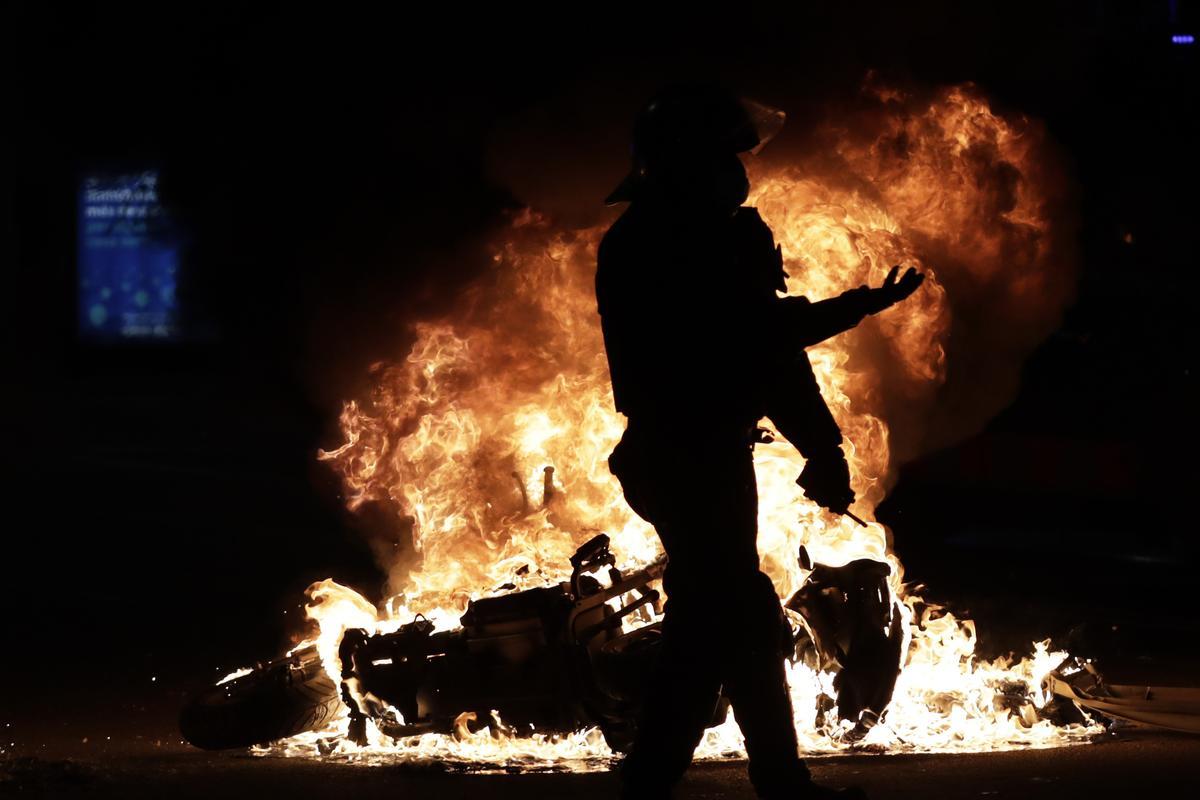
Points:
(806, 323)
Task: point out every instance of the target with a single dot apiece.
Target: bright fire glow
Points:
(455, 437)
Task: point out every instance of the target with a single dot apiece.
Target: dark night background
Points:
(337, 174)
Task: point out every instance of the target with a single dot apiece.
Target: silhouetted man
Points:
(700, 348)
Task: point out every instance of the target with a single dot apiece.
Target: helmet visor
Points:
(767, 121)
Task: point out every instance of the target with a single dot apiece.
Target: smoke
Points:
(986, 204)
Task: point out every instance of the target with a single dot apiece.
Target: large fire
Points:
(455, 438)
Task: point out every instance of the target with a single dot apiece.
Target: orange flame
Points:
(458, 436)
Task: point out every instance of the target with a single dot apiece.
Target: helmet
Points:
(695, 119)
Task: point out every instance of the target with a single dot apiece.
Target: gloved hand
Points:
(826, 480)
(893, 291)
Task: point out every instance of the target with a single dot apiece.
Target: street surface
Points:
(1139, 764)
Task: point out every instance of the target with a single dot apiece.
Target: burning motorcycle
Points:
(554, 659)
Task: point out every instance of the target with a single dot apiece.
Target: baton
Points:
(852, 516)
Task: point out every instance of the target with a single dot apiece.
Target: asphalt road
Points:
(1140, 764)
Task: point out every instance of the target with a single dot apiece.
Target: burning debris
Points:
(1175, 708)
(514, 384)
(562, 668)
(854, 631)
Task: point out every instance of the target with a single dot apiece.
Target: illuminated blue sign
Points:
(128, 259)
(1183, 38)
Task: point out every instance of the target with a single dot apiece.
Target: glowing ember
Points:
(457, 435)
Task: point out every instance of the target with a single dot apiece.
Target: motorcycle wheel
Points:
(273, 701)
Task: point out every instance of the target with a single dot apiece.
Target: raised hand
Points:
(893, 291)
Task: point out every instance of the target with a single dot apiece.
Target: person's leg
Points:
(692, 514)
(752, 670)
(723, 623)
(753, 673)
(682, 693)
(755, 682)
